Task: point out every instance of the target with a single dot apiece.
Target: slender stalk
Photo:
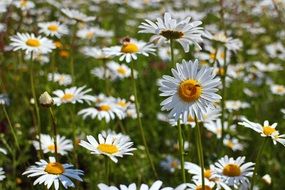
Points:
(172, 53)
(11, 127)
(257, 161)
(139, 120)
(71, 52)
(54, 132)
(223, 79)
(200, 152)
(181, 150)
(38, 124)
(107, 169)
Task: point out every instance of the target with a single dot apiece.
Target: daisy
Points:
(265, 130)
(277, 89)
(235, 105)
(191, 91)
(4, 4)
(63, 145)
(195, 170)
(31, 43)
(234, 172)
(72, 95)
(102, 73)
(53, 29)
(4, 99)
(78, 16)
(61, 79)
(94, 52)
(24, 5)
(107, 110)
(91, 33)
(216, 127)
(232, 143)
(50, 173)
(184, 31)
(112, 146)
(197, 185)
(130, 49)
(2, 174)
(120, 71)
(170, 164)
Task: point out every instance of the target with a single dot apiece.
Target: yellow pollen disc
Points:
(122, 104)
(90, 35)
(201, 188)
(221, 71)
(108, 148)
(230, 144)
(267, 130)
(129, 48)
(104, 108)
(171, 34)
(231, 170)
(57, 44)
(190, 119)
(67, 97)
(23, 3)
(53, 27)
(64, 53)
(51, 147)
(121, 70)
(33, 42)
(174, 164)
(213, 55)
(207, 174)
(189, 90)
(54, 168)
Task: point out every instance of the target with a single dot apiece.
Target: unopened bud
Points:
(46, 100)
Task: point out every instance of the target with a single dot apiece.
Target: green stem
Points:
(257, 161)
(71, 52)
(54, 132)
(139, 120)
(11, 127)
(181, 150)
(107, 169)
(200, 152)
(172, 53)
(38, 122)
(223, 78)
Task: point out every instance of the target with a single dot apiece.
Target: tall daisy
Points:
(63, 145)
(183, 31)
(265, 130)
(111, 145)
(53, 29)
(52, 172)
(72, 95)
(78, 16)
(190, 92)
(31, 43)
(234, 172)
(130, 49)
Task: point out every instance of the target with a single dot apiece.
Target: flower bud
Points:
(46, 100)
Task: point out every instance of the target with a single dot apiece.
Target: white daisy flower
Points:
(191, 91)
(24, 5)
(197, 185)
(72, 95)
(4, 99)
(63, 145)
(4, 4)
(2, 174)
(170, 164)
(130, 49)
(195, 170)
(265, 130)
(235, 105)
(61, 79)
(232, 143)
(94, 52)
(102, 73)
(31, 43)
(78, 16)
(216, 127)
(50, 173)
(120, 71)
(277, 89)
(112, 146)
(234, 172)
(107, 110)
(53, 29)
(184, 31)
(91, 33)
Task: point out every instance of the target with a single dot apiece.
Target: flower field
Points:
(142, 94)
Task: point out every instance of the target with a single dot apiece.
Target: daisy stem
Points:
(38, 122)
(172, 53)
(71, 52)
(181, 150)
(139, 120)
(107, 169)
(200, 152)
(257, 160)
(223, 79)
(11, 126)
(54, 132)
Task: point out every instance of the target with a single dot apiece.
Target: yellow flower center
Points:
(122, 104)
(57, 44)
(174, 164)
(51, 147)
(67, 97)
(200, 187)
(231, 170)
(230, 144)
(108, 148)
(268, 130)
(104, 108)
(190, 119)
(64, 53)
(53, 27)
(23, 3)
(213, 55)
(90, 35)
(33, 42)
(171, 34)
(54, 168)
(129, 48)
(207, 174)
(121, 70)
(189, 90)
